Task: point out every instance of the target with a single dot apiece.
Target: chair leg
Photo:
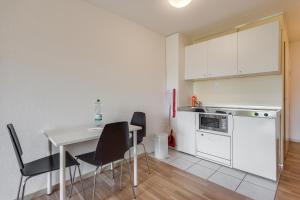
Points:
(94, 189)
(129, 173)
(81, 181)
(24, 185)
(129, 155)
(74, 173)
(94, 183)
(146, 155)
(121, 173)
(72, 182)
(21, 179)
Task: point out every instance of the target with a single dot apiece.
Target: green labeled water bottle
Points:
(98, 113)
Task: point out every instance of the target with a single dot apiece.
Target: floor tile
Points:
(201, 171)
(210, 165)
(172, 155)
(272, 185)
(232, 172)
(255, 192)
(181, 163)
(225, 180)
(190, 158)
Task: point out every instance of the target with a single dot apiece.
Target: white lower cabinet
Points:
(255, 146)
(213, 147)
(184, 128)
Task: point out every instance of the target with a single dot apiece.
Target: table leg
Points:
(62, 163)
(49, 175)
(135, 160)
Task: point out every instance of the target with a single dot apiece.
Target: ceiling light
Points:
(179, 3)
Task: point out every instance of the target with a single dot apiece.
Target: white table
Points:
(63, 137)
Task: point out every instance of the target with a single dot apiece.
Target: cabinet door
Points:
(255, 146)
(184, 127)
(213, 144)
(259, 49)
(196, 61)
(222, 56)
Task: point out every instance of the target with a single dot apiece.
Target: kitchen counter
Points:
(228, 107)
(249, 111)
(233, 136)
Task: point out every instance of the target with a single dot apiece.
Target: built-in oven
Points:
(213, 122)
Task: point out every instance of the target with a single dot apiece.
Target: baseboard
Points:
(295, 140)
(77, 179)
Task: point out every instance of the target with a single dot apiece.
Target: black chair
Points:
(40, 166)
(139, 119)
(112, 145)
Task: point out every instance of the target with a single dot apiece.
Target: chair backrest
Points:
(16, 144)
(113, 142)
(139, 119)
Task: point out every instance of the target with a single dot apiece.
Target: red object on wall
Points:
(174, 104)
(172, 111)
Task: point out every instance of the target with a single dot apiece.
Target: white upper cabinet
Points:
(259, 49)
(222, 56)
(196, 61)
(251, 51)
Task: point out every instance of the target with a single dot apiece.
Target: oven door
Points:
(213, 122)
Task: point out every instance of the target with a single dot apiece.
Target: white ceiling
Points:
(202, 17)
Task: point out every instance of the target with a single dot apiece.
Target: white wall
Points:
(56, 58)
(295, 94)
(175, 55)
(253, 91)
(172, 61)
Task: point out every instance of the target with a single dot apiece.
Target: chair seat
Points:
(89, 158)
(46, 164)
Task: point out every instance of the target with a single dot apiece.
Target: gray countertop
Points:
(260, 111)
(228, 107)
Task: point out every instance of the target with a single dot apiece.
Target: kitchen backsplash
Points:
(257, 91)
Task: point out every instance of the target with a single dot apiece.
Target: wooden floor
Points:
(168, 182)
(164, 182)
(289, 183)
